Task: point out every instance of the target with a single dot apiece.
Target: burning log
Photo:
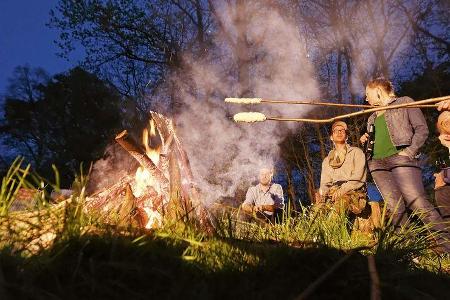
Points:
(128, 144)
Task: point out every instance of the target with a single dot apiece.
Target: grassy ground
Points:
(240, 261)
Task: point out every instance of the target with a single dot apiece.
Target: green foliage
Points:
(133, 42)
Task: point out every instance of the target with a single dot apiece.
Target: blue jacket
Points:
(406, 126)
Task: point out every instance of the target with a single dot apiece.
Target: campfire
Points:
(162, 186)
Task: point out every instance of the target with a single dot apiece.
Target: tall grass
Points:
(90, 259)
(11, 184)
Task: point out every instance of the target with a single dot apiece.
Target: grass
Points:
(241, 260)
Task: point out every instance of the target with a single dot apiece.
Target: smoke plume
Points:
(224, 155)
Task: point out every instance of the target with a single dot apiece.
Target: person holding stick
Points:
(399, 134)
(265, 200)
(442, 183)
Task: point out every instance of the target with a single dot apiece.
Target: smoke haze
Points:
(225, 155)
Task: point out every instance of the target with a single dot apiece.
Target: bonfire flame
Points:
(147, 134)
(143, 180)
(145, 184)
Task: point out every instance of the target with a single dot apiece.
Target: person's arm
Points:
(325, 178)
(359, 174)
(420, 129)
(249, 202)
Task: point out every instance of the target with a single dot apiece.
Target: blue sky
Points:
(25, 39)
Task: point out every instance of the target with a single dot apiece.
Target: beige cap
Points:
(339, 123)
(443, 123)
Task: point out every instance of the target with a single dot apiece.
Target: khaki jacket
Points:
(350, 176)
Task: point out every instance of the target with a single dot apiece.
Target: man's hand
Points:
(248, 208)
(258, 208)
(336, 195)
(444, 105)
(439, 182)
(364, 138)
(318, 198)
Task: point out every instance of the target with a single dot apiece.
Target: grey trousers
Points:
(399, 179)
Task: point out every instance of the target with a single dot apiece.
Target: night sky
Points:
(25, 39)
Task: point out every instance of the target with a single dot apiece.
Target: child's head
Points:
(443, 126)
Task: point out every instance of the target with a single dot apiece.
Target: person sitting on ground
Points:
(266, 198)
(442, 183)
(343, 176)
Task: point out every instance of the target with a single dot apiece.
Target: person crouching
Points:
(343, 176)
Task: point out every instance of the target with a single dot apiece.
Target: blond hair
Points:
(383, 83)
(443, 122)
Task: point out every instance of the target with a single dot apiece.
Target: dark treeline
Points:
(64, 120)
(135, 47)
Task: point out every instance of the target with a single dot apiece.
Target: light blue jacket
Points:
(406, 126)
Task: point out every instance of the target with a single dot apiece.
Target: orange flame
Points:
(152, 153)
(145, 181)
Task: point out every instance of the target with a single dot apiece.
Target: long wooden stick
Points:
(335, 104)
(307, 102)
(259, 117)
(302, 102)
